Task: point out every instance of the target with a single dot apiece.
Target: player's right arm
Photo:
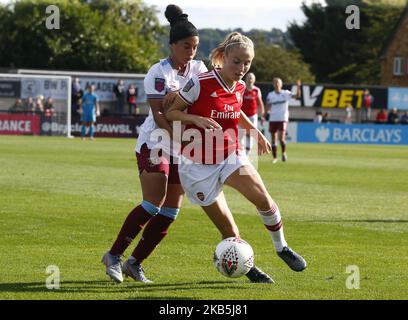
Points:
(268, 105)
(176, 113)
(156, 105)
(155, 89)
(298, 89)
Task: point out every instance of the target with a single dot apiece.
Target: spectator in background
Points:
(318, 117)
(49, 110)
(76, 97)
(29, 104)
(131, 99)
(39, 105)
(326, 117)
(393, 116)
(349, 114)
(120, 94)
(17, 107)
(404, 118)
(382, 116)
(368, 101)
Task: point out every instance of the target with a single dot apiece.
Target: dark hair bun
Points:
(174, 13)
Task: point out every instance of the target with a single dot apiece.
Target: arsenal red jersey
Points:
(209, 96)
(250, 103)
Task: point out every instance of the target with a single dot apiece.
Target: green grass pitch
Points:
(62, 202)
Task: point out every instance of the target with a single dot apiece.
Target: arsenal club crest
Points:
(159, 84)
(200, 196)
(239, 97)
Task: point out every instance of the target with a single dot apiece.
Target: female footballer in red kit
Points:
(213, 101)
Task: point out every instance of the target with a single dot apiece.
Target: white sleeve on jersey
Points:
(202, 68)
(269, 97)
(191, 91)
(155, 83)
(288, 95)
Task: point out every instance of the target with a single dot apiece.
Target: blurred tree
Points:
(274, 55)
(99, 35)
(273, 61)
(337, 54)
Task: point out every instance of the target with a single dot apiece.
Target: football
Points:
(233, 257)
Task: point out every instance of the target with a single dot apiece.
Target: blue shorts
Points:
(88, 117)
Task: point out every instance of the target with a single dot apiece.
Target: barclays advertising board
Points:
(356, 134)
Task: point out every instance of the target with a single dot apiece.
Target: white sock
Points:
(273, 222)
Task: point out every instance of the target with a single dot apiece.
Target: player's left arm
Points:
(261, 106)
(98, 109)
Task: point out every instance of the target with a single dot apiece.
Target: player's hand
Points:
(298, 82)
(169, 99)
(98, 113)
(206, 123)
(266, 116)
(264, 145)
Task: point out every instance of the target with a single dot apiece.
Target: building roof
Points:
(390, 38)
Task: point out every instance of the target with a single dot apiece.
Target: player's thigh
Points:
(221, 216)
(248, 182)
(154, 187)
(174, 196)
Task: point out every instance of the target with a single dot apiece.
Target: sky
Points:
(230, 14)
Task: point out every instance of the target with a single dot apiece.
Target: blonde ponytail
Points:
(231, 41)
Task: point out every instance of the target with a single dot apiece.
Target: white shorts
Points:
(203, 183)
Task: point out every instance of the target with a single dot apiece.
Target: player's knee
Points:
(171, 213)
(264, 202)
(150, 207)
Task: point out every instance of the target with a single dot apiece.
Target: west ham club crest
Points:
(159, 84)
